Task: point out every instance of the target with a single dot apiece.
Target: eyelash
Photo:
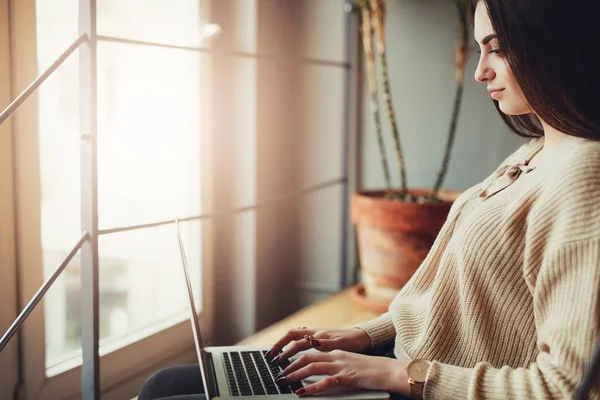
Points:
(494, 51)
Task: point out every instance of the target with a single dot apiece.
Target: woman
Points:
(507, 303)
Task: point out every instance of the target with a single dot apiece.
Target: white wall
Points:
(421, 38)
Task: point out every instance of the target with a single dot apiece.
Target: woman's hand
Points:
(353, 339)
(346, 369)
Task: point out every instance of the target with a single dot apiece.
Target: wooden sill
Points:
(338, 311)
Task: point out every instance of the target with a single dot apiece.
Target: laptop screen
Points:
(193, 313)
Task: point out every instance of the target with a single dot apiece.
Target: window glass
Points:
(148, 170)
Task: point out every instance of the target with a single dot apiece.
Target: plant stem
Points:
(370, 59)
(379, 24)
(377, 123)
(449, 142)
(462, 53)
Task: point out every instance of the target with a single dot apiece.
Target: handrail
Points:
(40, 293)
(284, 197)
(16, 103)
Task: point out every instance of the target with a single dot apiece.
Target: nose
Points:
(484, 73)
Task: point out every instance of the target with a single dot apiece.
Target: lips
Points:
(494, 93)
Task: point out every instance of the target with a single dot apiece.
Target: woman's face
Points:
(493, 68)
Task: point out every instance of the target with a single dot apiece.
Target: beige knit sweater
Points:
(507, 303)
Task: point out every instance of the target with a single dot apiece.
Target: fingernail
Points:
(280, 380)
(316, 343)
(274, 360)
(269, 355)
(300, 392)
(279, 375)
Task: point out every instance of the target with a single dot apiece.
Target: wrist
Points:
(366, 342)
(399, 378)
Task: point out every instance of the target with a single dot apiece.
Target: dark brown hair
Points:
(552, 49)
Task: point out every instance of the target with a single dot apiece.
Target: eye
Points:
(493, 51)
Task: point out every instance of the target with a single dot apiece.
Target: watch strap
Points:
(416, 389)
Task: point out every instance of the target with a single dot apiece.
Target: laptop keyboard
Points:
(249, 373)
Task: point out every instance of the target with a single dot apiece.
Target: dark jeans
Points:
(183, 382)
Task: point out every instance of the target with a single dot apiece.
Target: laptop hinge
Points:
(211, 375)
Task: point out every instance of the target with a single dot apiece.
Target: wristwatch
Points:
(417, 373)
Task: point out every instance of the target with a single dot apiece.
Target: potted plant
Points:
(397, 226)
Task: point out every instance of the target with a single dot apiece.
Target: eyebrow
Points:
(487, 39)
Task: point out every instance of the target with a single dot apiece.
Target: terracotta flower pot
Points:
(394, 237)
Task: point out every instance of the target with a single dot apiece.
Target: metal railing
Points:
(39, 294)
(35, 85)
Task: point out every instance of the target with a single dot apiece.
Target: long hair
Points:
(552, 48)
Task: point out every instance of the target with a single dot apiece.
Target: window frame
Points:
(9, 362)
(122, 370)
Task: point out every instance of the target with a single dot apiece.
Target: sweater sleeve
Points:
(381, 330)
(567, 306)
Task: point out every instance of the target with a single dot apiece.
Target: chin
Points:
(510, 108)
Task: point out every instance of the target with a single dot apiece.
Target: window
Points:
(286, 136)
(149, 170)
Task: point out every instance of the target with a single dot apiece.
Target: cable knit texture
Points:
(507, 302)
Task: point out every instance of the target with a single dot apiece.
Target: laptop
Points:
(235, 372)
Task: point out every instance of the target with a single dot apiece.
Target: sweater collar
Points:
(508, 174)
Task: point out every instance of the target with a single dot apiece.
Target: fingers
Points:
(324, 384)
(292, 334)
(305, 360)
(314, 368)
(324, 344)
(297, 346)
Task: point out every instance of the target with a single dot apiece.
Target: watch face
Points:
(417, 370)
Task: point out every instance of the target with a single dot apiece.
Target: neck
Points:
(553, 138)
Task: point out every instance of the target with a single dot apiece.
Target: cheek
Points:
(513, 85)
(515, 102)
